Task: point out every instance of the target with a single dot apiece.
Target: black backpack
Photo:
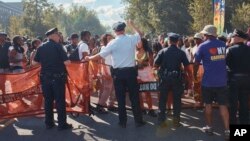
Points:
(74, 56)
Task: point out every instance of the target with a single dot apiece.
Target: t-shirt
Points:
(212, 53)
(83, 47)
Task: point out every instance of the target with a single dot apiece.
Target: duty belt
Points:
(241, 75)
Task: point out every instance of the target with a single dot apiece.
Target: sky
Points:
(108, 11)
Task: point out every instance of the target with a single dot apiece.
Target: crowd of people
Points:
(177, 62)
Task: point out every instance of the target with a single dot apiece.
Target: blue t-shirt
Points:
(213, 55)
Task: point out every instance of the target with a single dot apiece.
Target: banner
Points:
(219, 15)
(21, 94)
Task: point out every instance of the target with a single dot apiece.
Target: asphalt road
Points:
(104, 127)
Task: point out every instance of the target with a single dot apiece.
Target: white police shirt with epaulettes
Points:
(122, 50)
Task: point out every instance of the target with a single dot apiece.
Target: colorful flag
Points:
(219, 15)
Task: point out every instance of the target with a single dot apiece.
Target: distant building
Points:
(8, 9)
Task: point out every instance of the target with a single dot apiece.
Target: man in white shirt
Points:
(124, 73)
(83, 47)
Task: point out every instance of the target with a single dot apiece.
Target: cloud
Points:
(84, 1)
(109, 15)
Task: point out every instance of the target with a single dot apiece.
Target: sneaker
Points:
(65, 127)
(227, 135)
(208, 130)
(100, 109)
(112, 109)
(152, 113)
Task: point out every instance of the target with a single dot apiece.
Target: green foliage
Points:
(79, 18)
(33, 17)
(16, 27)
(241, 18)
(156, 16)
(40, 15)
(182, 16)
(202, 14)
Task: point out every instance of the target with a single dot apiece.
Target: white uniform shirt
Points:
(82, 47)
(122, 50)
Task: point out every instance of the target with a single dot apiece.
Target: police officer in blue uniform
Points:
(237, 59)
(53, 77)
(4, 49)
(124, 73)
(170, 61)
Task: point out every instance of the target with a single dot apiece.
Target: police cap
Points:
(3, 34)
(51, 31)
(119, 26)
(239, 34)
(173, 36)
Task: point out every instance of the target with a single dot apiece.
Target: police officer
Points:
(238, 57)
(4, 49)
(124, 73)
(53, 76)
(170, 60)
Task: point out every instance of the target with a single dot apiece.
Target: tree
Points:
(16, 27)
(202, 14)
(159, 16)
(34, 15)
(240, 19)
(230, 8)
(79, 18)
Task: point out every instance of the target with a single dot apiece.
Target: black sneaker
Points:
(140, 124)
(100, 109)
(152, 113)
(112, 109)
(50, 126)
(65, 127)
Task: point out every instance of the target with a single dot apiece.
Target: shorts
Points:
(218, 94)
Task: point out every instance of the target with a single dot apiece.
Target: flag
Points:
(219, 15)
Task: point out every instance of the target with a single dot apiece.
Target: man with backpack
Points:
(74, 40)
(82, 48)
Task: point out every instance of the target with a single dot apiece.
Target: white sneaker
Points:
(209, 130)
